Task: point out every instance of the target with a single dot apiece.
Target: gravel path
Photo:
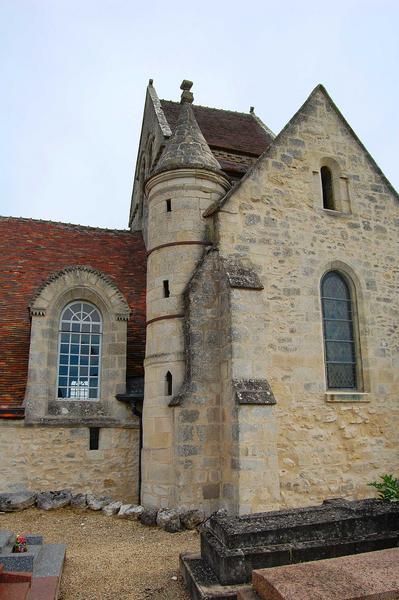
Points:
(109, 558)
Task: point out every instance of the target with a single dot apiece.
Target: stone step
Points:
(369, 576)
(332, 519)
(201, 581)
(235, 566)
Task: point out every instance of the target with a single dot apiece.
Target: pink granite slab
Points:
(368, 576)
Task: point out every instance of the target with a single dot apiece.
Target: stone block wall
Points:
(52, 458)
(329, 444)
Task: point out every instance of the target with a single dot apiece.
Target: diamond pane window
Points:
(339, 342)
(79, 352)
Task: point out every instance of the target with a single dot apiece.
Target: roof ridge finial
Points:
(187, 96)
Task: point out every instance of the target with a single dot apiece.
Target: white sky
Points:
(74, 73)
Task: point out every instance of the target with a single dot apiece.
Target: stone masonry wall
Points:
(52, 458)
(329, 444)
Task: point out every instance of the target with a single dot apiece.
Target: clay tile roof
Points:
(31, 251)
(224, 129)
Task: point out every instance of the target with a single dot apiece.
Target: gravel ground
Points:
(109, 558)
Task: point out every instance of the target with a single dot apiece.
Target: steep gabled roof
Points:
(225, 129)
(319, 88)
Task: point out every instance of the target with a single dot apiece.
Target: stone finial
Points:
(186, 96)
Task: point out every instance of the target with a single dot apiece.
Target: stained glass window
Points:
(339, 342)
(79, 352)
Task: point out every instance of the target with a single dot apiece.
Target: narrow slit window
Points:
(169, 205)
(168, 384)
(327, 188)
(94, 433)
(166, 290)
(338, 328)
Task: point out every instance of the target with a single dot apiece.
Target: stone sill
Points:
(81, 422)
(343, 396)
(335, 213)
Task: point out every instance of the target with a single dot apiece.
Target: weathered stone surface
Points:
(79, 501)
(190, 519)
(16, 501)
(234, 546)
(148, 516)
(241, 276)
(112, 470)
(97, 503)
(122, 510)
(111, 509)
(253, 391)
(187, 147)
(130, 511)
(52, 500)
(169, 519)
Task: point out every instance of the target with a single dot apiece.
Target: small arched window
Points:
(327, 188)
(338, 326)
(79, 352)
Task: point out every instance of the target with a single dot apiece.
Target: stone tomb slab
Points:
(368, 576)
(236, 545)
(232, 547)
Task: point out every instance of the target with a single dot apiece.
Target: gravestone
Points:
(43, 561)
(233, 546)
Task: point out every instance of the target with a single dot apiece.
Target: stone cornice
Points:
(203, 174)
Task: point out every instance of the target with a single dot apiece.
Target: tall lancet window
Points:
(79, 352)
(338, 325)
(327, 188)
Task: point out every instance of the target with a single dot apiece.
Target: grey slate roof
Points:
(187, 147)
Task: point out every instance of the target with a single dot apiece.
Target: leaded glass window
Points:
(79, 352)
(339, 342)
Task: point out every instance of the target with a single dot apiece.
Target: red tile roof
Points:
(224, 129)
(30, 251)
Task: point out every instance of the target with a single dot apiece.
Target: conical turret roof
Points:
(187, 147)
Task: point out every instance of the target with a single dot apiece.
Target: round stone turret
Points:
(185, 182)
(187, 148)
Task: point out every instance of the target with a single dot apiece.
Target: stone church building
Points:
(236, 347)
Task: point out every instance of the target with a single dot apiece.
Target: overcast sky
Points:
(74, 74)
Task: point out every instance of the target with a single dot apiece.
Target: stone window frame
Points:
(340, 187)
(359, 323)
(63, 287)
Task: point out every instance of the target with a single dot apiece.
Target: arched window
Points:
(339, 341)
(79, 352)
(327, 188)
